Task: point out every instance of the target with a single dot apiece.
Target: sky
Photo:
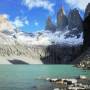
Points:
(31, 15)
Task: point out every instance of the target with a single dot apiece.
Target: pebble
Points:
(56, 89)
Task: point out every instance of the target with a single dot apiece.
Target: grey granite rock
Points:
(62, 20)
(74, 20)
(49, 25)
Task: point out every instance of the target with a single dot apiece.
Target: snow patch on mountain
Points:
(49, 38)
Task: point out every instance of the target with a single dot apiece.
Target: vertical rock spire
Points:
(62, 20)
(49, 25)
(74, 20)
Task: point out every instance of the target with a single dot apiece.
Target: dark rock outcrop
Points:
(49, 25)
(62, 20)
(60, 54)
(83, 60)
(86, 25)
(87, 10)
(54, 54)
(74, 20)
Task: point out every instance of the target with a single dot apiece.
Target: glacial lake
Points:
(31, 77)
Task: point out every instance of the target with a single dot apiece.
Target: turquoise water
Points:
(27, 77)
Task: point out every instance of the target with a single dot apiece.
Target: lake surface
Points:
(30, 77)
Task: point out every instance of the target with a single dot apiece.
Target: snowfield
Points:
(42, 38)
(48, 38)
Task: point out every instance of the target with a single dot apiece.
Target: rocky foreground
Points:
(78, 83)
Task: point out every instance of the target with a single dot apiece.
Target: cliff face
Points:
(49, 25)
(84, 59)
(62, 20)
(71, 24)
(61, 54)
(46, 54)
(87, 11)
(86, 25)
(52, 54)
(74, 20)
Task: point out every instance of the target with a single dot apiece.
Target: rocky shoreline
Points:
(77, 83)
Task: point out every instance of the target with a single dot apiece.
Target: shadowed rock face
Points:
(87, 11)
(74, 20)
(84, 59)
(61, 54)
(86, 25)
(53, 54)
(62, 20)
(49, 25)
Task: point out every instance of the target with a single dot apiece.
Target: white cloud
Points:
(19, 22)
(80, 4)
(46, 4)
(5, 23)
(36, 23)
(6, 16)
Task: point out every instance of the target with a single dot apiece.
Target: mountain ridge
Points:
(49, 46)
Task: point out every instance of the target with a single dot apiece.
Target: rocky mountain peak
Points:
(61, 11)
(74, 20)
(5, 24)
(87, 10)
(62, 20)
(49, 25)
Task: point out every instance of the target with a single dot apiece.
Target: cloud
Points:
(36, 23)
(6, 16)
(5, 23)
(80, 4)
(45, 4)
(19, 22)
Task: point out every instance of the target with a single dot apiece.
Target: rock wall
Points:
(86, 25)
(74, 20)
(87, 11)
(49, 25)
(62, 20)
(48, 55)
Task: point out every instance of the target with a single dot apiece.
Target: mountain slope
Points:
(46, 38)
(84, 59)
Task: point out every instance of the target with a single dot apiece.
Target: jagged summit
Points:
(5, 24)
(74, 20)
(62, 20)
(87, 10)
(49, 25)
(61, 11)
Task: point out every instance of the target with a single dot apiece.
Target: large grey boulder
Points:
(87, 10)
(49, 25)
(62, 20)
(75, 20)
